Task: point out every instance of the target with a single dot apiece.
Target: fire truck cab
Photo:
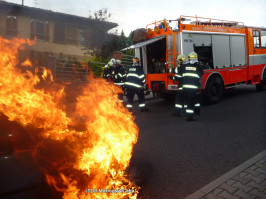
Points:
(230, 53)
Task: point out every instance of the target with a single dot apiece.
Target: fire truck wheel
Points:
(214, 90)
(262, 85)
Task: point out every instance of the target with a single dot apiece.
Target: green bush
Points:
(97, 63)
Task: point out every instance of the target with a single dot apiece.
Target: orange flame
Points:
(96, 138)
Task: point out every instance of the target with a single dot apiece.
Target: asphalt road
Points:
(173, 158)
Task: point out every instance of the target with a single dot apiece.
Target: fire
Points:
(83, 152)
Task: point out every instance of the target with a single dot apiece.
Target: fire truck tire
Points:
(262, 85)
(214, 90)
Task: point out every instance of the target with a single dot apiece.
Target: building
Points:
(56, 33)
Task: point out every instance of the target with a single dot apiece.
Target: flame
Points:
(94, 141)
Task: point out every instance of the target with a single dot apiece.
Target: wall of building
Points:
(2, 24)
(46, 47)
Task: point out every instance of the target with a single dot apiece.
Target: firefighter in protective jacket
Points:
(135, 82)
(191, 75)
(107, 72)
(179, 97)
(119, 76)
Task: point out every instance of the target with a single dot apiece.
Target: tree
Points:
(122, 41)
(129, 40)
(101, 41)
(101, 14)
(110, 45)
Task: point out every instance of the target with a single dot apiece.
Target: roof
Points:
(141, 44)
(256, 27)
(17, 9)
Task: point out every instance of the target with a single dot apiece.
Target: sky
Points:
(133, 14)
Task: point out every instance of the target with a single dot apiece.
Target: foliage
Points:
(96, 36)
(97, 63)
(109, 46)
(124, 41)
(101, 14)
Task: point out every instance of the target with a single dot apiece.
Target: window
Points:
(59, 33)
(256, 39)
(40, 30)
(71, 35)
(81, 36)
(263, 38)
(11, 26)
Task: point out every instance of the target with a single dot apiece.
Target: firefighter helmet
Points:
(135, 60)
(110, 63)
(112, 60)
(181, 58)
(193, 56)
(118, 62)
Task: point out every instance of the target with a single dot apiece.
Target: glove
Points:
(171, 77)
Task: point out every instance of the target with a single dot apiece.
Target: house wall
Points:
(41, 46)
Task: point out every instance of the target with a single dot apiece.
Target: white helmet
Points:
(118, 62)
(112, 60)
(110, 63)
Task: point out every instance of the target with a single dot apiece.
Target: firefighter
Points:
(179, 97)
(135, 82)
(191, 75)
(119, 76)
(107, 72)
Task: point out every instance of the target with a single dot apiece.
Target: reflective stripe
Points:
(142, 76)
(177, 75)
(144, 81)
(190, 86)
(121, 101)
(191, 74)
(142, 105)
(120, 75)
(176, 71)
(133, 84)
(178, 106)
(180, 88)
(189, 111)
(119, 83)
(197, 105)
(129, 106)
(135, 75)
(185, 106)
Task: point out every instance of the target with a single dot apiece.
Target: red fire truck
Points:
(231, 54)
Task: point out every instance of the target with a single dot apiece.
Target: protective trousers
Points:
(190, 99)
(197, 104)
(179, 101)
(130, 96)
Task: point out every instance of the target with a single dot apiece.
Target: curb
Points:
(222, 179)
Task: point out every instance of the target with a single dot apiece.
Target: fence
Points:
(69, 70)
